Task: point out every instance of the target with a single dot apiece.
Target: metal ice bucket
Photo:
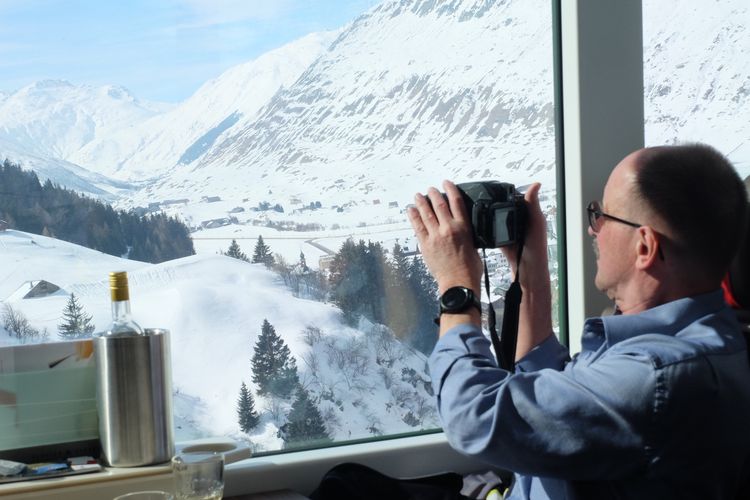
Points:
(134, 398)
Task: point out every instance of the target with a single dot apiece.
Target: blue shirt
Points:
(656, 405)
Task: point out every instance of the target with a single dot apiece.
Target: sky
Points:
(160, 50)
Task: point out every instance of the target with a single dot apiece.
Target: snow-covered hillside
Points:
(697, 75)
(214, 307)
(411, 91)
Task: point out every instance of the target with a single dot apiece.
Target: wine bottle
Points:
(122, 321)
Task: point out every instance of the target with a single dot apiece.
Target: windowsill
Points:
(295, 471)
(105, 484)
(301, 471)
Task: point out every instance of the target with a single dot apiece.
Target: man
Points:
(657, 404)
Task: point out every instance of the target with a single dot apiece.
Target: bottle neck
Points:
(121, 311)
(122, 321)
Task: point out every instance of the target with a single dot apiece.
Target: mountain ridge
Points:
(414, 90)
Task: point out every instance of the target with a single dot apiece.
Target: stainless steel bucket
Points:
(134, 398)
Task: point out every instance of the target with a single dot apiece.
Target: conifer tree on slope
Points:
(76, 323)
(262, 253)
(235, 252)
(400, 302)
(248, 417)
(304, 423)
(425, 290)
(274, 367)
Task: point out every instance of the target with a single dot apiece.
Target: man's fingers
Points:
(425, 212)
(456, 201)
(439, 205)
(532, 193)
(416, 223)
(532, 202)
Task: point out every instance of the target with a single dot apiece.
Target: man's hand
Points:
(445, 238)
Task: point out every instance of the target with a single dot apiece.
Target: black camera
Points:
(497, 212)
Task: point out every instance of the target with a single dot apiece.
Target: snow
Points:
(214, 307)
(401, 100)
(704, 98)
(406, 95)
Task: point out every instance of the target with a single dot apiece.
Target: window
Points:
(696, 75)
(282, 147)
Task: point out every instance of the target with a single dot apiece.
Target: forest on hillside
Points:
(29, 205)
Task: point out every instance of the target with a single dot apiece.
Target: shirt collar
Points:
(667, 319)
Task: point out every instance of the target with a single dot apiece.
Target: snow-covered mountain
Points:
(363, 379)
(697, 75)
(43, 124)
(103, 141)
(405, 87)
(180, 136)
(55, 118)
(411, 90)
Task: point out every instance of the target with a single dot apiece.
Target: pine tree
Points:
(358, 281)
(305, 424)
(76, 323)
(262, 253)
(274, 368)
(401, 303)
(248, 417)
(235, 252)
(425, 290)
(303, 262)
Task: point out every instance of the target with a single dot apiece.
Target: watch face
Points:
(455, 298)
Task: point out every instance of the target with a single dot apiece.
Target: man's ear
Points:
(647, 247)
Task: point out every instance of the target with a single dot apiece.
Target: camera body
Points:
(497, 213)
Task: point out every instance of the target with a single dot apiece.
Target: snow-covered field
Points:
(214, 307)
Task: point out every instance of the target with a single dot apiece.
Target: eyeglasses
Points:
(595, 215)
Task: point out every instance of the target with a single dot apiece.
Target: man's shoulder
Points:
(677, 332)
(707, 337)
(663, 350)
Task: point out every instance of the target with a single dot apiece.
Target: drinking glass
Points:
(198, 475)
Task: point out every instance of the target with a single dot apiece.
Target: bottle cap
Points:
(118, 286)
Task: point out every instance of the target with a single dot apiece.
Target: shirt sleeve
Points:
(582, 421)
(548, 354)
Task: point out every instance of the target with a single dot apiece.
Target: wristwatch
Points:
(458, 299)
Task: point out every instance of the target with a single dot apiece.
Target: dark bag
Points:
(350, 481)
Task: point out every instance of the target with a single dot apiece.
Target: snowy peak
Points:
(406, 88)
(458, 10)
(182, 135)
(56, 118)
